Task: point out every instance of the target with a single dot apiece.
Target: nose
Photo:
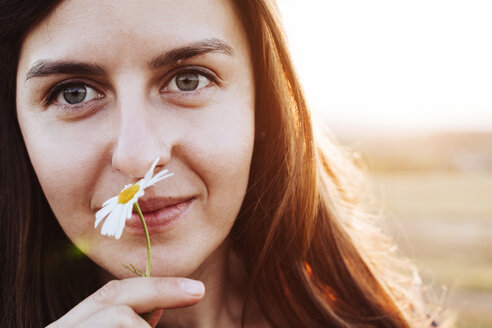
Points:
(138, 141)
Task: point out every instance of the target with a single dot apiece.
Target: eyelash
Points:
(57, 89)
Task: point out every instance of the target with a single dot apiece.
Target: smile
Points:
(159, 215)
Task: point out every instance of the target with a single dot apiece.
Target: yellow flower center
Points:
(127, 194)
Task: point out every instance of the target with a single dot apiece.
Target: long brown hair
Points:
(313, 256)
(43, 275)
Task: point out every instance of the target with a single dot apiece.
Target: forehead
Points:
(107, 30)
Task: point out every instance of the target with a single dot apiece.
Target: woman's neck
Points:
(226, 283)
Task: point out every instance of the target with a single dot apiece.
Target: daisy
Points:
(119, 208)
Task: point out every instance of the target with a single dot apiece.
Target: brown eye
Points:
(187, 81)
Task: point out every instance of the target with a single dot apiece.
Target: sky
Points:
(411, 65)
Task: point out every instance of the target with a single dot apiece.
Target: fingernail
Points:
(192, 287)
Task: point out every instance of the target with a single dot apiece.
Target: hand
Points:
(118, 303)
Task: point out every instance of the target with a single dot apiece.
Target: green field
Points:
(443, 220)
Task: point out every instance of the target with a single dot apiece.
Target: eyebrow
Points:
(194, 49)
(46, 67)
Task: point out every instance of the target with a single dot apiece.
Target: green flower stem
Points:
(146, 316)
(147, 270)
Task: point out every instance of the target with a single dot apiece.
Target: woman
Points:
(265, 219)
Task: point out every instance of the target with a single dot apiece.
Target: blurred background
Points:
(408, 85)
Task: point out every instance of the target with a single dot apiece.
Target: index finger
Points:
(147, 293)
(142, 294)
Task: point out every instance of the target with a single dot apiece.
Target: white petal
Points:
(103, 212)
(142, 183)
(139, 194)
(158, 178)
(112, 221)
(150, 172)
(129, 210)
(107, 223)
(160, 174)
(115, 199)
(118, 220)
(121, 223)
(119, 230)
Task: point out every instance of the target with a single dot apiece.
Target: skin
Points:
(84, 154)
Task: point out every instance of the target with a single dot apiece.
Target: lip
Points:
(159, 214)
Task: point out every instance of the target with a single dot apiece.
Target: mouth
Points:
(159, 213)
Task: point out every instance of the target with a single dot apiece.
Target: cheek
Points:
(224, 146)
(220, 152)
(217, 155)
(64, 164)
(226, 176)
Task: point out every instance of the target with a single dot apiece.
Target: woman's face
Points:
(104, 88)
